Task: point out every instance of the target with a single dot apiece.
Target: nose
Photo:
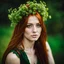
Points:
(34, 29)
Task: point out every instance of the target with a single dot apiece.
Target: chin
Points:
(35, 39)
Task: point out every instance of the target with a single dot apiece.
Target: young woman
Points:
(29, 44)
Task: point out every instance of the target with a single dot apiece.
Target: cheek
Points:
(40, 30)
(27, 31)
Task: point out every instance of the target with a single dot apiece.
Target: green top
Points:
(23, 57)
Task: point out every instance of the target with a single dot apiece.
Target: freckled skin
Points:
(33, 29)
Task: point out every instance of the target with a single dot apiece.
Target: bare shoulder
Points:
(12, 59)
(48, 47)
(50, 56)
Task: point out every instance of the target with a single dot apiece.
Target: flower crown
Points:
(29, 8)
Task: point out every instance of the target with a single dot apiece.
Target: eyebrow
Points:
(32, 23)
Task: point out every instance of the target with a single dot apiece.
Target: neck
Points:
(28, 44)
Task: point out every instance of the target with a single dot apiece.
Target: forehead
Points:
(33, 19)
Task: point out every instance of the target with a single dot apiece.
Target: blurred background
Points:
(55, 26)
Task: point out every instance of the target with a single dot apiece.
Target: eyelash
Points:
(29, 26)
(37, 25)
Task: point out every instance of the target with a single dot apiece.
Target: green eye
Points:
(38, 25)
(28, 26)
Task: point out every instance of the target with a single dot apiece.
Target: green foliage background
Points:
(55, 27)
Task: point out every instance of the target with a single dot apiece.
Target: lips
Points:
(34, 36)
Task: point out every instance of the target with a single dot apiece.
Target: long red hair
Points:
(40, 44)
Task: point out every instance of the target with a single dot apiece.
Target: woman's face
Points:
(33, 29)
